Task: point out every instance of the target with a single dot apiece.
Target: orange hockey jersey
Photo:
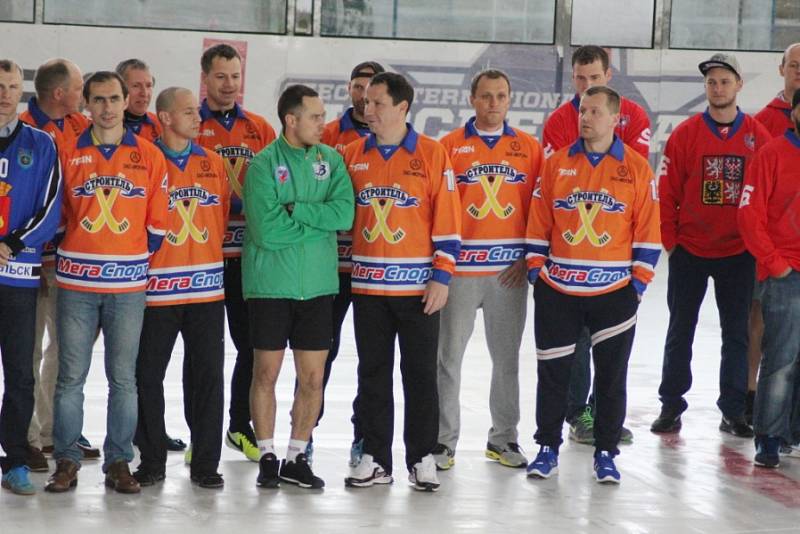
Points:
(495, 177)
(147, 126)
(65, 133)
(237, 137)
(338, 134)
(114, 214)
(594, 221)
(187, 269)
(407, 227)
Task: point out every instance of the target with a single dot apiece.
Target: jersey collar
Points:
(617, 149)
(85, 139)
(346, 123)
(470, 130)
(712, 124)
(206, 113)
(409, 141)
(40, 117)
(792, 137)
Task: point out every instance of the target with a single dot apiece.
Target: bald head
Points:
(790, 70)
(58, 85)
(794, 47)
(53, 74)
(179, 114)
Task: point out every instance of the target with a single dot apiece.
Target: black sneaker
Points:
(667, 422)
(299, 473)
(146, 477)
(208, 480)
(736, 426)
(175, 444)
(268, 472)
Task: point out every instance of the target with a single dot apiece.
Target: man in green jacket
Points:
(297, 194)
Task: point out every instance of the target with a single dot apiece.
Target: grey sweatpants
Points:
(504, 312)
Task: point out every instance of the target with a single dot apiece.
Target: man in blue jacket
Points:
(30, 207)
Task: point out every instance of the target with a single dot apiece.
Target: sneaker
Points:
(310, 453)
(545, 464)
(175, 444)
(16, 481)
(367, 473)
(510, 456)
(790, 450)
(423, 475)
(626, 436)
(208, 480)
(244, 442)
(444, 457)
(604, 469)
(48, 450)
(736, 426)
(668, 422)
(581, 429)
(187, 456)
(767, 451)
(268, 472)
(147, 477)
(35, 460)
(89, 452)
(356, 452)
(750, 401)
(299, 473)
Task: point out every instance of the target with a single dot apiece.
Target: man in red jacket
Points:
(776, 117)
(767, 220)
(701, 178)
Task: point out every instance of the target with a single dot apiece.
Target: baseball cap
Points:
(367, 69)
(723, 60)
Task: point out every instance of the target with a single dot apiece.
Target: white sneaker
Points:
(423, 475)
(792, 451)
(367, 473)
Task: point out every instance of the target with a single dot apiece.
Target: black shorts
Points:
(305, 324)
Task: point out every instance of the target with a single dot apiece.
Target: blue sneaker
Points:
(545, 464)
(17, 481)
(356, 452)
(310, 453)
(767, 451)
(604, 469)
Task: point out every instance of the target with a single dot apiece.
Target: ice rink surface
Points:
(697, 481)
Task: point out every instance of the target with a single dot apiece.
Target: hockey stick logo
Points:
(596, 201)
(186, 210)
(382, 200)
(491, 188)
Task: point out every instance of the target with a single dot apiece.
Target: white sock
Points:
(266, 446)
(295, 447)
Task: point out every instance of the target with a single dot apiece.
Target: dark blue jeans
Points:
(779, 379)
(686, 288)
(17, 326)
(581, 378)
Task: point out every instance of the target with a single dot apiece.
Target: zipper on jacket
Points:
(302, 262)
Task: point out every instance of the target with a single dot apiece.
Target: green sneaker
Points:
(240, 441)
(187, 456)
(581, 430)
(510, 456)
